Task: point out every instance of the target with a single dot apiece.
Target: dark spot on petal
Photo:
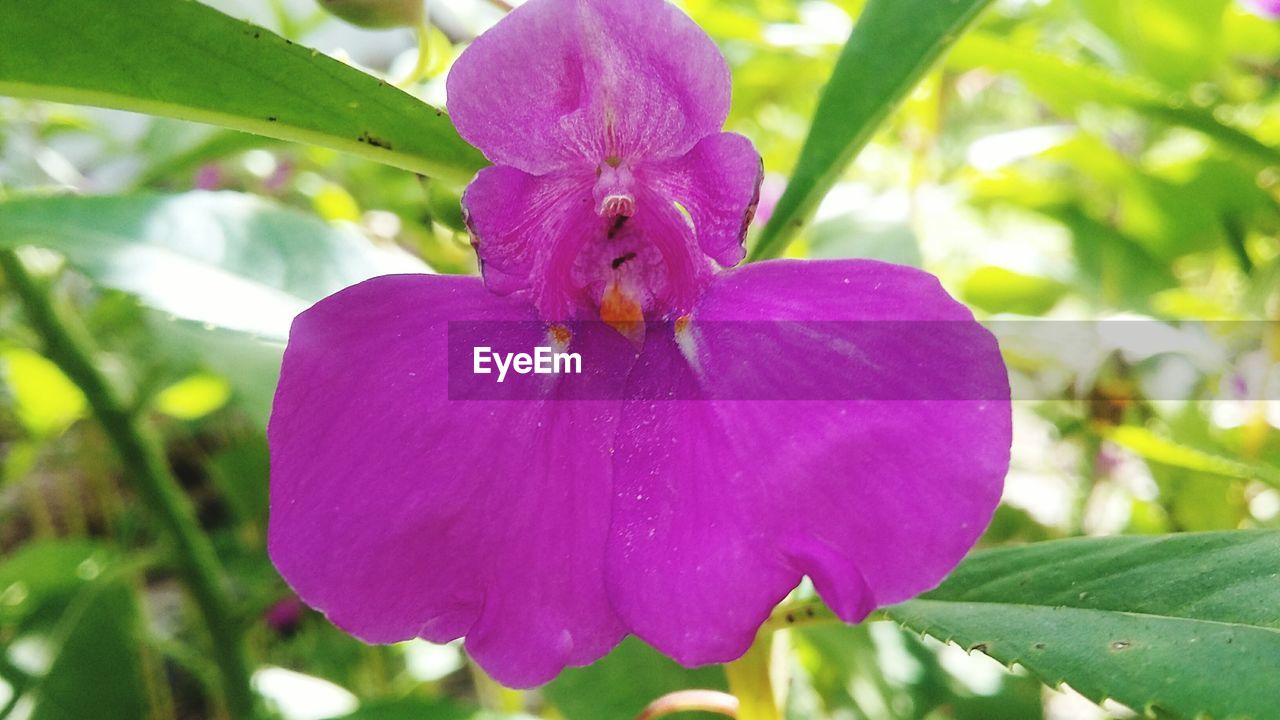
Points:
(616, 226)
(1039, 646)
(619, 261)
(272, 118)
(811, 612)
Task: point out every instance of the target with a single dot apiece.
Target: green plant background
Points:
(1048, 159)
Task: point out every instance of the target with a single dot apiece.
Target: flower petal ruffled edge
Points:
(636, 79)
(866, 497)
(400, 513)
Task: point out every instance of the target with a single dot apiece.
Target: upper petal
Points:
(400, 512)
(722, 504)
(560, 82)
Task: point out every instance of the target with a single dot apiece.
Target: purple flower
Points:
(1269, 9)
(545, 529)
(284, 616)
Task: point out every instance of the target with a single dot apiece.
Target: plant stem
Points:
(751, 682)
(146, 467)
(422, 33)
(799, 613)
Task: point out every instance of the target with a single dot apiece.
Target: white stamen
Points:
(618, 206)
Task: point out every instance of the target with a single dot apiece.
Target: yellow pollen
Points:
(621, 312)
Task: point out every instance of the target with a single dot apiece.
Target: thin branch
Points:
(146, 467)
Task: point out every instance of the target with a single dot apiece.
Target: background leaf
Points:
(1135, 619)
(1066, 85)
(894, 43)
(230, 260)
(625, 682)
(98, 671)
(185, 60)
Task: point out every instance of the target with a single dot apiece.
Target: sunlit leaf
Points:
(996, 289)
(193, 397)
(185, 60)
(1067, 85)
(45, 400)
(1163, 450)
(230, 260)
(894, 43)
(1175, 41)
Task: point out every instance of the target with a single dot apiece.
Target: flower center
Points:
(614, 191)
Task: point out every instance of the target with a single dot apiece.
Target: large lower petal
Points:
(557, 81)
(873, 467)
(400, 512)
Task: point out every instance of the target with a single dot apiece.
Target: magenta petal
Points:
(720, 506)
(718, 184)
(1265, 8)
(564, 82)
(400, 513)
(527, 232)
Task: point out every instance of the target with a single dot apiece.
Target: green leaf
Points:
(98, 671)
(250, 364)
(856, 234)
(1066, 85)
(996, 290)
(44, 399)
(193, 397)
(181, 59)
(240, 473)
(39, 579)
(229, 260)
(893, 45)
(1167, 452)
(416, 709)
(1189, 623)
(624, 683)
(175, 150)
(1176, 41)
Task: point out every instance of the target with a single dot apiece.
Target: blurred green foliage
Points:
(1067, 160)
